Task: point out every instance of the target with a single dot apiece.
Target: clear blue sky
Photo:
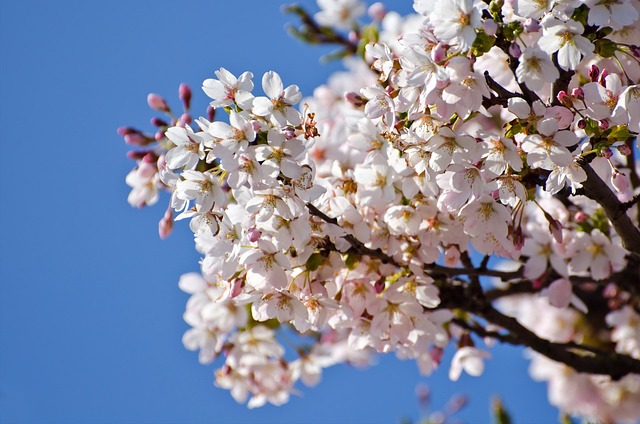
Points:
(90, 312)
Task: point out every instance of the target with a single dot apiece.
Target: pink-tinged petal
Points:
(600, 267)
(560, 293)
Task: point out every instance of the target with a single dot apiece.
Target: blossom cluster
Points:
(469, 129)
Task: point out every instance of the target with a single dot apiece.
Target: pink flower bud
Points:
(439, 52)
(353, 36)
(436, 354)
(150, 158)
(564, 98)
(532, 25)
(236, 287)
(126, 130)
(602, 78)
(159, 135)
(254, 234)
(185, 119)
(514, 50)
(423, 394)
(594, 72)
(518, 238)
(582, 124)
(620, 181)
(136, 139)
(137, 154)
(379, 285)
(635, 50)
(577, 93)
(184, 93)
(211, 113)
(166, 224)
(603, 125)
(456, 403)
(490, 27)
(580, 216)
(377, 11)
(355, 99)
(157, 122)
(555, 227)
(156, 102)
(610, 290)
(624, 149)
(606, 153)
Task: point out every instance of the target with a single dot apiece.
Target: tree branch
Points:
(596, 189)
(590, 360)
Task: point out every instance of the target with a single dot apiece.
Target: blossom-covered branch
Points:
(471, 175)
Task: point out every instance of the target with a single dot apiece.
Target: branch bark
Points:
(596, 189)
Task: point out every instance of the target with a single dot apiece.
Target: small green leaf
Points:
(314, 261)
(351, 261)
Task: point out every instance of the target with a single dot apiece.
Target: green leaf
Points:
(499, 414)
(314, 261)
(351, 261)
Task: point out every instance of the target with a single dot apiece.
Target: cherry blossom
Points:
(469, 178)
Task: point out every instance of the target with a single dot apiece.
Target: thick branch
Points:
(596, 189)
(590, 360)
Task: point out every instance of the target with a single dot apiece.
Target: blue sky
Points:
(90, 312)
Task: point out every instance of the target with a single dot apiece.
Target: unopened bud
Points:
(555, 227)
(594, 72)
(137, 139)
(518, 238)
(379, 285)
(185, 119)
(377, 11)
(211, 113)
(603, 125)
(150, 158)
(254, 234)
(635, 50)
(610, 290)
(606, 153)
(353, 36)
(580, 216)
(159, 135)
(137, 154)
(620, 181)
(126, 130)
(354, 99)
(184, 93)
(157, 122)
(165, 226)
(624, 149)
(532, 25)
(236, 287)
(564, 99)
(423, 394)
(602, 78)
(582, 124)
(439, 53)
(514, 50)
(156, 102)
(577, 93)
(490, 27)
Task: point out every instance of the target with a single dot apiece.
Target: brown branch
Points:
(596, 189)
(591, 360)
